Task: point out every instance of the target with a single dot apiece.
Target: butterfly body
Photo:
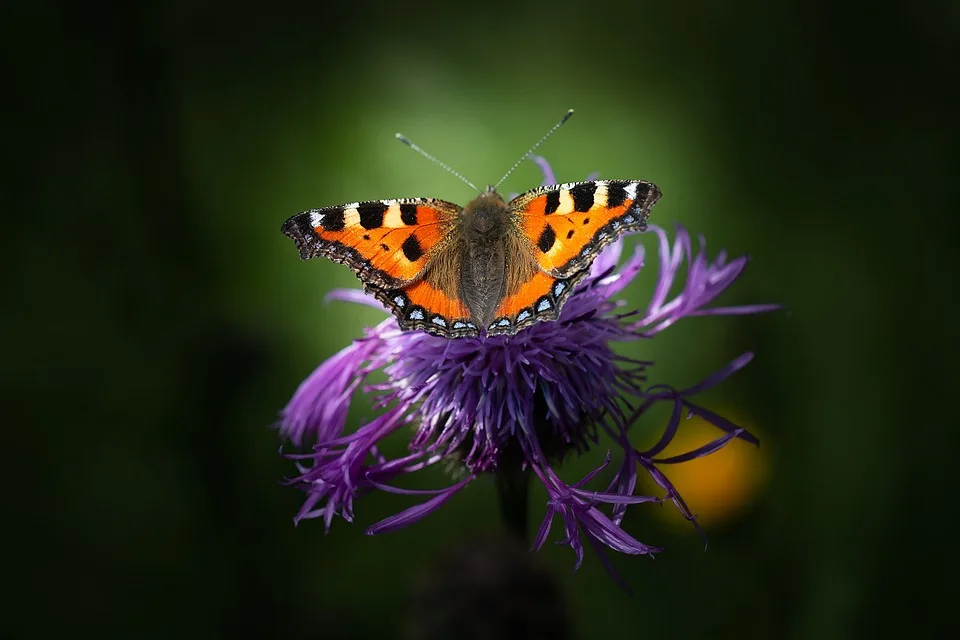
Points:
(487, 246)
(490, 267)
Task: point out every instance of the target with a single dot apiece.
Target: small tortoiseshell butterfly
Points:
(491, 267)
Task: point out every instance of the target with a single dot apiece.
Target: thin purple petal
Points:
(548, 176)
(417, 512)
(699, 452)
(356, 296)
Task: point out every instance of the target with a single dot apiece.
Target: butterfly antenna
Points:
(553, 130)
(405, 140)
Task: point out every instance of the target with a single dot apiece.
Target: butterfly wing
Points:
(568, 225)
(423, 305)
(539, 298)
(388, 243)
(564, 228)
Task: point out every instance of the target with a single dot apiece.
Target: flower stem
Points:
(513, 484)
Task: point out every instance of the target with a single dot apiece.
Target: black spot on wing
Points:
(569, 234)
(384, 247)
(553, 202)
(332, 219)
(408, 214)
(616, 194)
(411, 249)
(547, 238)
(643, 192)
(582, 195)
(371, 214)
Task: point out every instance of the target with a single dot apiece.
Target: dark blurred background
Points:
(155, 320)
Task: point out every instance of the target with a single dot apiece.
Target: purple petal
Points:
(573, 536)
(548, 177)
(544, 529)
(701, 451)
(673, 495)
(599, 525)
(608, 566)
(356, 296)
(407, 492)
(417, 512)
(617, 282)
(587, 478)
(670, 259)
(319, 406)
(669, 431)
(721, 423)
(613, 498)
(740, 310)
(719, 376)
(607, 259)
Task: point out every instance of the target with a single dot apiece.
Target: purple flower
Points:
(551, 389)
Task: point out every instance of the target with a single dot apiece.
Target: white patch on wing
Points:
(566, 202)
(316, 218)
(544, 305)
(392, 219)
(631, 190)
(523, 315)
(416, 314)
(351, 217)
(600, 195)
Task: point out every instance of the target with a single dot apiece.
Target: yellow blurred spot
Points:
(719, 487)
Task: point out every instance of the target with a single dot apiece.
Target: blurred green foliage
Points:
(156, 320)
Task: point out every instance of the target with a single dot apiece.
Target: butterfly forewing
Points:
(388, 243)
(569, 224)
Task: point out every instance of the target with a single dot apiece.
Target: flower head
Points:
(551, 389)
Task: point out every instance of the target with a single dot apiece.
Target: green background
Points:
(155, 318)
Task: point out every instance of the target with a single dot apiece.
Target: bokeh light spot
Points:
(718, 488)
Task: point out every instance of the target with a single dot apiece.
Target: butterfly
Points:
(492, 267)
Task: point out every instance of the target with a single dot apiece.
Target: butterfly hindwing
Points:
(388, 243)
(422, 305)
(539, 298)
(568, 224)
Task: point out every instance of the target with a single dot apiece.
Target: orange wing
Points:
(539, 298)
(568, 224)
(423, 306)
(388, 243)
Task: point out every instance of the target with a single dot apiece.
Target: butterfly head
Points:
(486, 215)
